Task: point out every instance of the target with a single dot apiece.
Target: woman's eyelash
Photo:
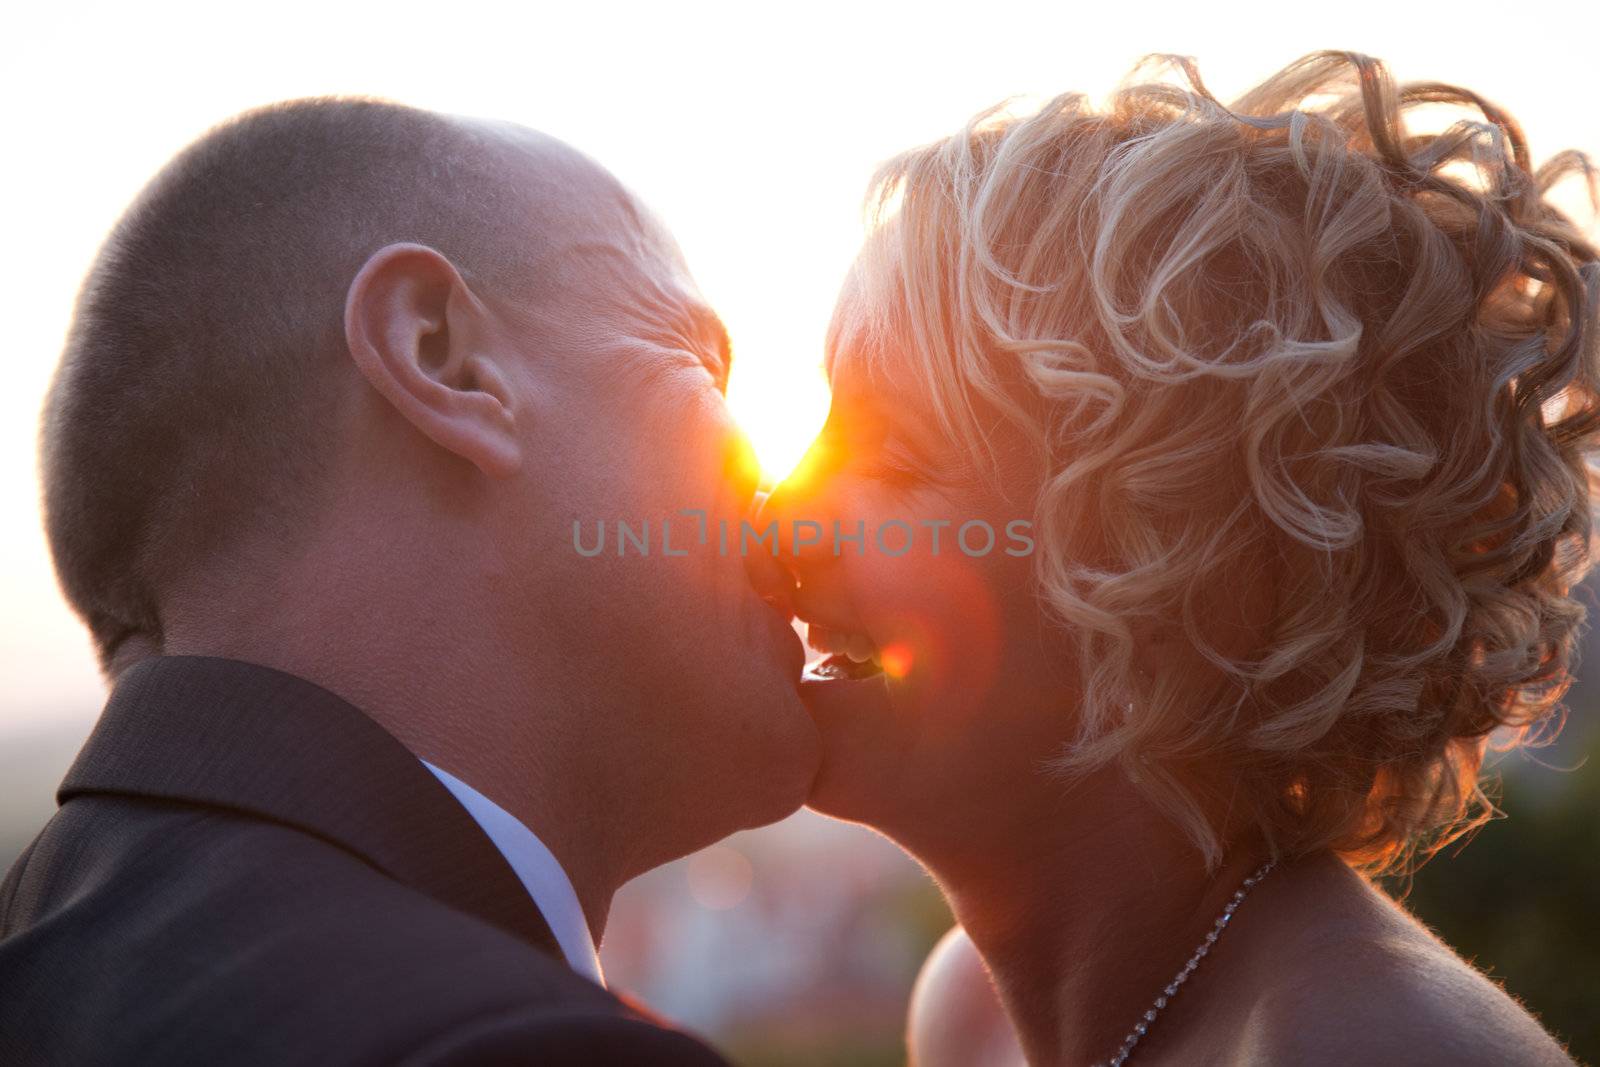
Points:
(876, 451)
(897, 463)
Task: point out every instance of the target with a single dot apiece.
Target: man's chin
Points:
(790, 757)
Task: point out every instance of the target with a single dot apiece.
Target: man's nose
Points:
(799, 507)
(741, 467)
(775, 582)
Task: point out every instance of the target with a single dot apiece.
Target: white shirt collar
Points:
(539, 871)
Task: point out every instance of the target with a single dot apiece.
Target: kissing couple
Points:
(1276, 413)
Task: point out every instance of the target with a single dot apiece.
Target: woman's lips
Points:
(838, 668)
(837, 691)
(835, 641)
(790, 647)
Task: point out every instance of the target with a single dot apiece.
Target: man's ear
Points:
(417, 333)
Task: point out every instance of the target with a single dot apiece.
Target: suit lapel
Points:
(236, 735)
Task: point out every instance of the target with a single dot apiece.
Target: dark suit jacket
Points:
(245, 869)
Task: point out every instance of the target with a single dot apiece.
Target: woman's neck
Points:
(1084, 903)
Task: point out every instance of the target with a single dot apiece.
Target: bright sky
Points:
(751, 128)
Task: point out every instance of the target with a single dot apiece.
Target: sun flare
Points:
(780, 406)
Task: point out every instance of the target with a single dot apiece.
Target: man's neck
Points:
(512, 778)
(466, 706)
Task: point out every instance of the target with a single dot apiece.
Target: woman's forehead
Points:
(863, 334)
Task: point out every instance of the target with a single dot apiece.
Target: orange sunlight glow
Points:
(780, 406)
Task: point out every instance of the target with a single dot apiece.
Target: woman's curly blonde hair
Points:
(1291, 336)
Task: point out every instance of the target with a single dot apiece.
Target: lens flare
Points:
(896, 660)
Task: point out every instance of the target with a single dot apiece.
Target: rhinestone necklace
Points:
(1141, 1027)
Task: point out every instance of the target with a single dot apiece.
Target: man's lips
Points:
(791, 647)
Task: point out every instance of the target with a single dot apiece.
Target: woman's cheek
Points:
(930, 606)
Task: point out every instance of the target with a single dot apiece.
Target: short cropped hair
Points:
(1295, 334)
(202, 368)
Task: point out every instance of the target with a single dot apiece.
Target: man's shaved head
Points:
(340, 389)
(205, 360)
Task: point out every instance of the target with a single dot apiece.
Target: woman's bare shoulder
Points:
(955, 1017)
(1362, 981)
(1334, 973)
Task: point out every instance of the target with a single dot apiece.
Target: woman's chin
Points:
(863, 776)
